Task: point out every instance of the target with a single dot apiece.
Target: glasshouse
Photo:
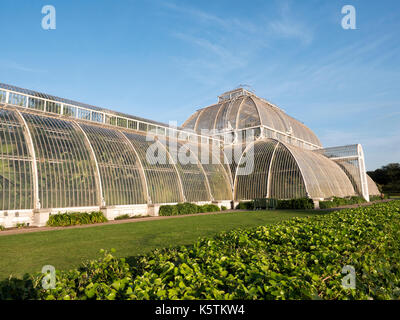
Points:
(59, 155)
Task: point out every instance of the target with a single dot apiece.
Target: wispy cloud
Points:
(18, 67)
(288, 26)
(211, 19)
(229, 43)
(226, 55)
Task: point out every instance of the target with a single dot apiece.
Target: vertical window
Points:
(53, 107)
(132, 124)
(152, 129)
(36, 104)
(96, 116)
(122, 122)
(83, 114)
(3, 96)
(142, 126)
(111, 120)
(69, 111)
(161, 131)
(17, 99)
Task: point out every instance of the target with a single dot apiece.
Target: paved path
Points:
(40, 229)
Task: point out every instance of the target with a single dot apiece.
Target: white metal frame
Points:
(104, 115)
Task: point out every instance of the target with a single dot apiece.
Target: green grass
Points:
(65, 249)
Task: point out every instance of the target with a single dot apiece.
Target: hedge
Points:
(301, 203)
(301, 258)
(208, 208)
(245, 205)
(71, 219)
(376, 198)
(186, 208)
(122, 217)
(337, 202)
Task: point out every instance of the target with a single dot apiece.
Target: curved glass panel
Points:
(191, 122)
(218, 178)
(162, 179)
(285, 178)
(118, 164)
(192, 176)
(206, 118)
(323, 177)
(372, 187)
(269, 116)
(233, 112)
(16, 178)
(248, 115)
(65, 172)
(232, 154)
(253, 182)
(220, 120)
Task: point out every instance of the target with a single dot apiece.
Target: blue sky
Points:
(162, 60)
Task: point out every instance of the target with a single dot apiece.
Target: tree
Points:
(388, 176)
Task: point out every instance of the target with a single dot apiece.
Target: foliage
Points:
(186, 208)
(300, 203)
(301, 258)
(265, 203)
(170, 232)
(337, 202)
(223, 208)
(377, 198)
(71, 219)
(168, 210)
(208, 208)
(122, 217)
(245, 205)
(388, 177)
(1, 228)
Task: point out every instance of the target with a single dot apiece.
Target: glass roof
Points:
(248, 111)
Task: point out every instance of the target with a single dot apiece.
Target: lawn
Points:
(65, 249)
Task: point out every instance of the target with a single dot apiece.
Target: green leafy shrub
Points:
(21, 225)
(223, 208)
(377, 198)
(337, 202)
(245, 205)
(374, 198)
(186, 208)
(122, 217)
(168, 210)
(301, 258)
(300, 204)
(208, 208)
(79, 218)
(1, 228)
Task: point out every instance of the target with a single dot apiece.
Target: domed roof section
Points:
(240, 109)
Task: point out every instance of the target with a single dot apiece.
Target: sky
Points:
(163, 60)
